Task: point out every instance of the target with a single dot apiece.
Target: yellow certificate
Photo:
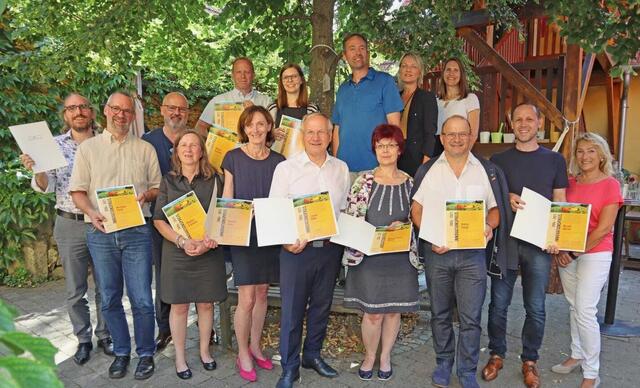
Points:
(226, 115)
(219, 142)
(568, 226)
(229, 221)
(465, 224)
(186, 216)
(292, 142)
(389, 239)
(119, 207)
(315, 218)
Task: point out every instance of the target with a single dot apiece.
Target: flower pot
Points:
(509, 137)
(496, 137)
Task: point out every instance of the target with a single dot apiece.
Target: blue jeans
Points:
(535, 265)
(120, 258)
(459, 274)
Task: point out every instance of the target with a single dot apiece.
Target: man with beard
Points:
(69, 228)
(364, 101)
(117, 157)
(175, 111)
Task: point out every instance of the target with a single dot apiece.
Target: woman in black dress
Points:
(419, 116)
(247, 175)
(192, 270)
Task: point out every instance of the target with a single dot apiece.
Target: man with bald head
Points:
(69, 229)
(459, 275)
(243, 75)
(117, 157)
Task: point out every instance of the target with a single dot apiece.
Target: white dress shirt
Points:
(441, 184)
(233, 96)
(299, 176)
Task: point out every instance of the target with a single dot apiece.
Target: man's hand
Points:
(297, 247)
(41, 178)
(516, 202)
(488, 232)
(279, 133)
(247, 103)
(439, 250)
(563, 259)
(27, 162)
(141, 199)
(97, 220)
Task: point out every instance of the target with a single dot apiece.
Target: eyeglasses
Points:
(460, 135)
(294, 77)
(117, 110)
(384, 147)
(72, 108)
(174, 109)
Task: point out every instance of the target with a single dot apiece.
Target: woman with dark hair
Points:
(419, 116)
(455, 97)
(293, 97)
(583, 274)
(385, 285)
(192, 271)
(247, 175)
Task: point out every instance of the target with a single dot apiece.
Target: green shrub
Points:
(21, 278)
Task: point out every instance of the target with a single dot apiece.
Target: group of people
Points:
(394, 148)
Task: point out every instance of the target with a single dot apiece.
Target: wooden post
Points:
(572, 92)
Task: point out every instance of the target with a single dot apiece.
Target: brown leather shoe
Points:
(490, 371)
(531, 375)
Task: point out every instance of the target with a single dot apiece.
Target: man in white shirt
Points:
(308, 270)
(243, 75)
(456, 274)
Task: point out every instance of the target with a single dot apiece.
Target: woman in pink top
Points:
(583, 274)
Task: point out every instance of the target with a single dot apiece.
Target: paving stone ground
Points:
(42, 313)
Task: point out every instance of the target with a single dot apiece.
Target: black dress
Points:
(184, 278)
(252, 179)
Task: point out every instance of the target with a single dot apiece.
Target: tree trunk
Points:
(323, 59)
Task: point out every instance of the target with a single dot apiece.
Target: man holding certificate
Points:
(457, 183)
(69, 228)
(104, 164)
(308, 270)
(545, 172)
(243, 93)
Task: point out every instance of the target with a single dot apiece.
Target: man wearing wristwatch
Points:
(69, 228)
(545, 172)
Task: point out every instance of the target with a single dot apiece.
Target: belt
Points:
(320, 243)
(71, 216)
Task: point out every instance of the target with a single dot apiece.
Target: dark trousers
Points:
(307, 281)
(535, 265)
(162, 309)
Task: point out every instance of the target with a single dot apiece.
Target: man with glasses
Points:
(243, 75)
(117, 157)
(175, 111)
(308, 270)
(458, 274)
(69, 228)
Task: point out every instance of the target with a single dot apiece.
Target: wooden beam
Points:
(481, 17)
(514, 77)
(605, 61)
(587, 68)
(614, 90)
(572, 83)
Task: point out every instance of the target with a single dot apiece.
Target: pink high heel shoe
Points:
(264, 364)
(249, 375)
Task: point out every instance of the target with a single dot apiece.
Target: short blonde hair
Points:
(418, 60)
(605, 165)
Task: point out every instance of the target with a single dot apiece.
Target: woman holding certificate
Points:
(192, 269)
(248, 171)
(383, 285)
(583, 274)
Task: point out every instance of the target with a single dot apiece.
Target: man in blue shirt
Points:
(367, 99)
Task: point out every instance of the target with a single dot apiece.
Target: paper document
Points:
(455, 224)
(36, 140)
(227, 114)
(292, 142)
(120, 208)
(543, 222)
(219, 142)
(358, 234)
(186, 216)
(283, 220)
(229, 221)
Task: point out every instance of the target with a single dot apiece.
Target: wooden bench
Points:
(274, 299)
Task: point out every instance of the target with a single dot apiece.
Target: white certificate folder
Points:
(36, 140)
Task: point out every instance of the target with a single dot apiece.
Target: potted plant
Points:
(496, 137)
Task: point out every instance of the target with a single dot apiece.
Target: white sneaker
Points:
(563, 370)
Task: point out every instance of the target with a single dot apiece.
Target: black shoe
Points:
(214, 339)
(209, 365)
(118, 367)
(365, 375)
(288, 378)
(107, 346)
(83, 354)
(185, 374)
(145, 368)
(384, 376)
(162, 341)
(319, 366)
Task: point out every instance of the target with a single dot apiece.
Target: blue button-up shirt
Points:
(359, 108)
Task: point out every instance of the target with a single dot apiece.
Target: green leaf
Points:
(17, 372)
(7, 313)
(40, 348)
